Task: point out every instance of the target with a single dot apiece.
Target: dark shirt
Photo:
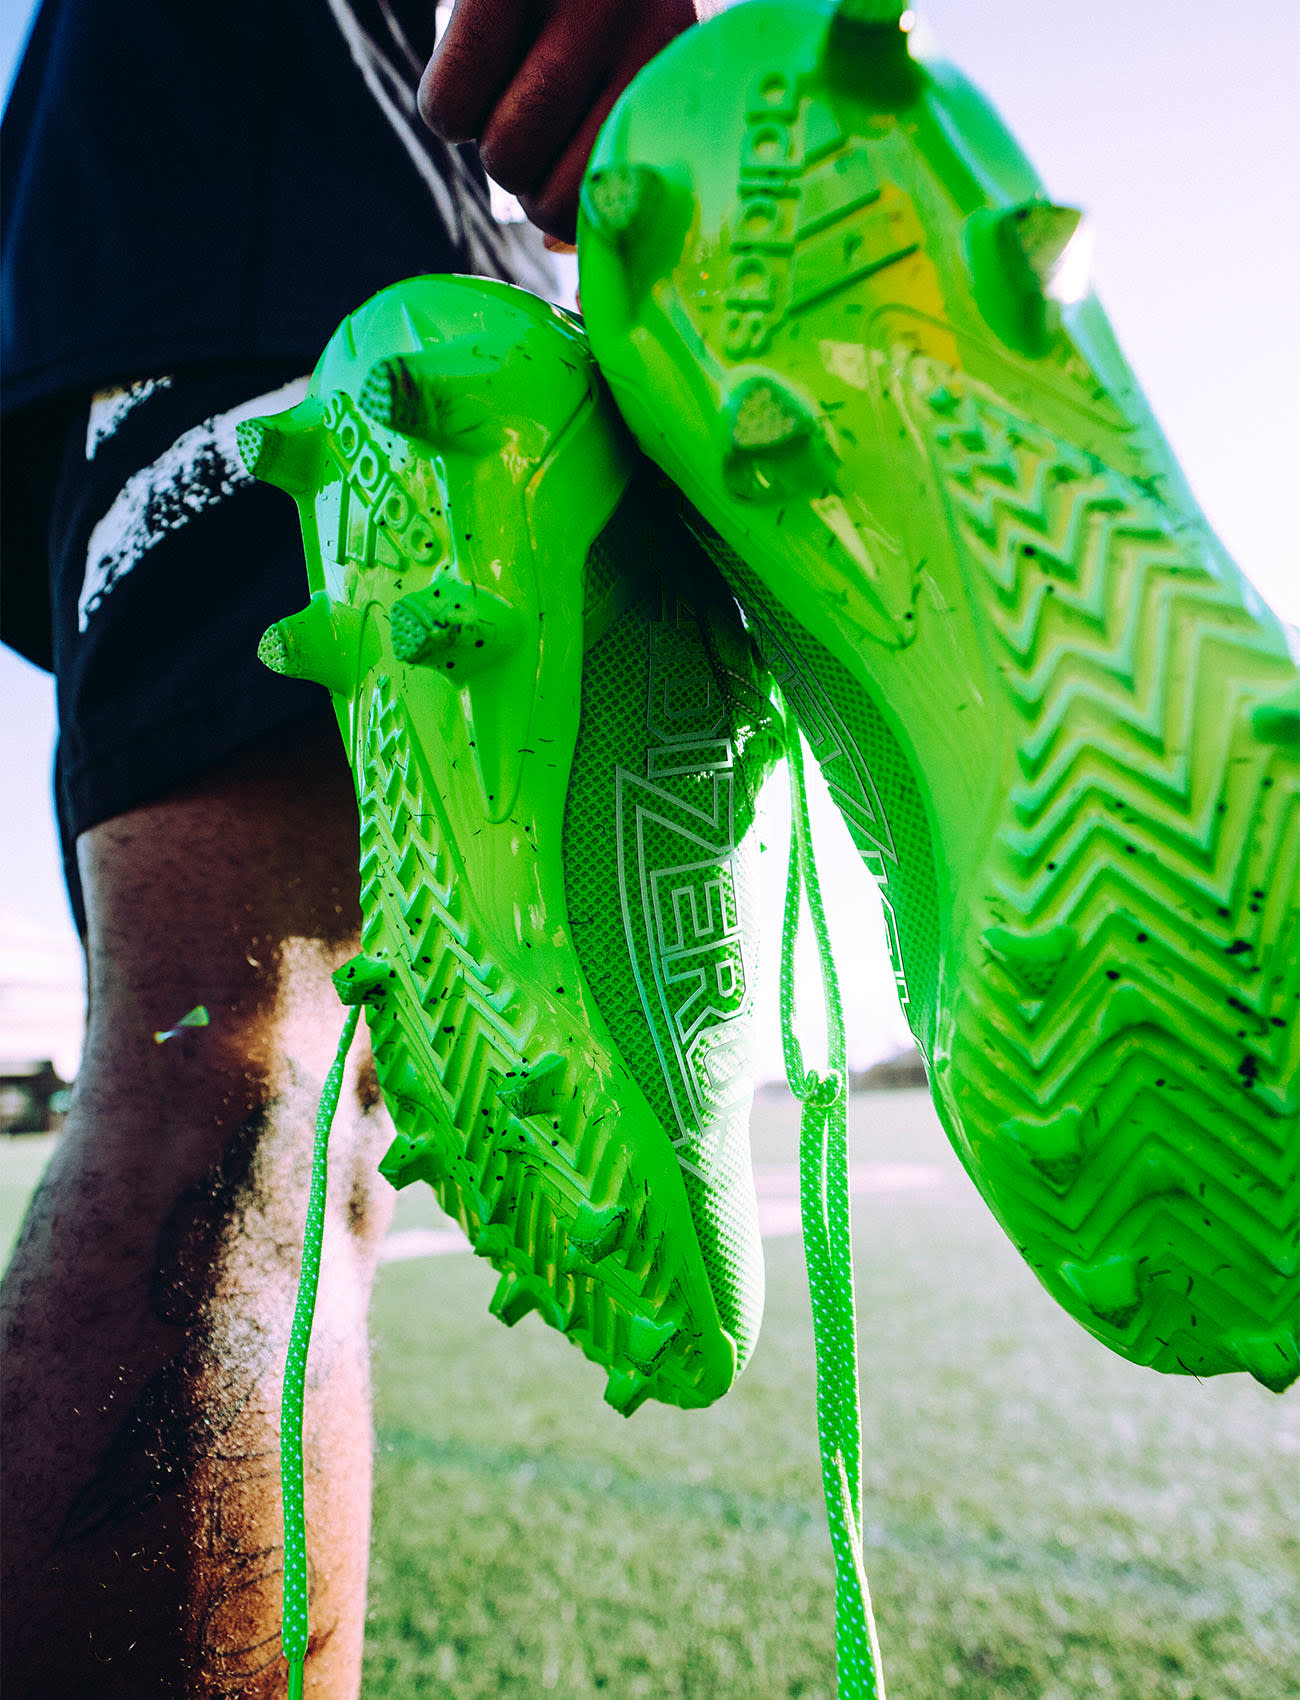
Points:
(183, 182)
(186, 182)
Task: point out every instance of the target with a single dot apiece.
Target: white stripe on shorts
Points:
(108, 408)
(201, 468)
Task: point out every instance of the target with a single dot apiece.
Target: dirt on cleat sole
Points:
(834, 302)
(455, 462)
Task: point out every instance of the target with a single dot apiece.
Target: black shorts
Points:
(166, 564)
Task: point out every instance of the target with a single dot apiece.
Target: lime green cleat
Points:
(556, 761)
(834, 302)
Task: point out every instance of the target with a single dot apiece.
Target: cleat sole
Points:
(461, 421)
(1058, 723)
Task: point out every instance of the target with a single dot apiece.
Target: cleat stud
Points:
(512, 1300)
(1031, 960)
(286, 450)
(867, 50)
(872, 14)
(1051, 244)
(273, 650)
(493, 1241)
(626, 1391)
(408, 1160)
(1272, 1358)
(395, 394)
(619, 198)
(593, 1234)
(776, 449)
(763, 414)
(363, 979)
(458, 631)
(527, 1093)
(648, 1340)
(308, 645)
(1109, 1289)
(1021, 259)
(1278, 722)
(1054, 1146)
(400, 1163)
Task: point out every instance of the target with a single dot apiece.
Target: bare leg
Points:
(147, 1308)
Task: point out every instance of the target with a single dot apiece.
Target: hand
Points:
(531, 81)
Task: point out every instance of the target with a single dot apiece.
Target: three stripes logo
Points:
(812, 218)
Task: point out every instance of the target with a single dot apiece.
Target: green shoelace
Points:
(293, 1621)
(824, 1207)
(828, 1253)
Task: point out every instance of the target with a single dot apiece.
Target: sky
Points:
(1174, 124)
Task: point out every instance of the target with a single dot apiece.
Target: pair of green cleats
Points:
(833, 304)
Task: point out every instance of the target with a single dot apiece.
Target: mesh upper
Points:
(909, 881)
(671, 752)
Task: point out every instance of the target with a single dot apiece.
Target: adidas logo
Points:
(811, 221)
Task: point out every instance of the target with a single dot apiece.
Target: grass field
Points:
(1045, 1522)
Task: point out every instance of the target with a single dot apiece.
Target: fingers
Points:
(553, 207)
(473, 64)
(537, 116)
(533, 80)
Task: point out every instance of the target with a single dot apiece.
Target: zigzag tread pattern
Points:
(1128, 1046)
(446, 1044)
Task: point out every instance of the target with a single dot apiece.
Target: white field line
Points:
(777, 1185)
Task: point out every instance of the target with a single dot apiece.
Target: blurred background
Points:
(1174, 123)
